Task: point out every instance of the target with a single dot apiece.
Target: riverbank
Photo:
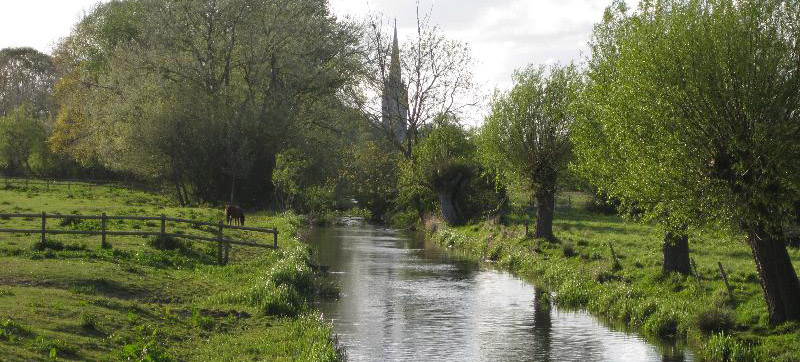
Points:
(581, 272)
(146, 300)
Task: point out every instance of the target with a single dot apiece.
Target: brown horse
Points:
(234, 213)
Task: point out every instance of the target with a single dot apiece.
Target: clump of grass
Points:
(567, 249)
(164, 242)
(201, 321)
(6, 293)
(148, 349)
(69, 222)
(55, 347)
(11, 330)
(50, 244)
(285, 289)
(88, 321)
(714, 320)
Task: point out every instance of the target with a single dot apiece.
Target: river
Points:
(403, 299)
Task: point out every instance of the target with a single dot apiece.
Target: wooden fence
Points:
(47, 184)
(223, 243)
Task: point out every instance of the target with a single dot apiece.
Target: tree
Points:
(22, 137)
(445, 163)
(526, 137)
(436, 77)
(636, 184)
(204, 93)
(26, 78)
(705, 128)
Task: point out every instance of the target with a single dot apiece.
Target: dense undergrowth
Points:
(152, 299)
(581, 272)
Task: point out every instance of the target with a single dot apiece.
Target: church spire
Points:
(395, 96)
(394, 66)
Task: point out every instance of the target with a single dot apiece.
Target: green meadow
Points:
(152, 299)
(581, 272)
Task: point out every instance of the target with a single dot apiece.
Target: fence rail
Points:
(224, 243)
(8, 181)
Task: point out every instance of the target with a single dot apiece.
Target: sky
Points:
(504, 35)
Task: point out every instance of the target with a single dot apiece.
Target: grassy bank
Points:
(147, 299)
(582, 273)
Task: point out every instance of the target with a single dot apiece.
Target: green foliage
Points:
(657, 123)
(137, 99)
(284, 289)
(370, 174)
(146, 349)
(287, 177)
(525, 140)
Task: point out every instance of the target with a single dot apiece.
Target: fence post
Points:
(104, 243)
(44, 223)
(275, 239)
(163, 225)
(219, 245)
(725, 279)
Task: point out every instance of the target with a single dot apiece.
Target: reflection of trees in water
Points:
(673, 354)
(542, 325)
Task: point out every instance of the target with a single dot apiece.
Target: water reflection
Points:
(403, 301)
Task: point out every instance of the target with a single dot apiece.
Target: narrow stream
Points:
(405, 300)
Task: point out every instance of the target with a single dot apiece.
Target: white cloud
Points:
(504, 34)
(39, 23)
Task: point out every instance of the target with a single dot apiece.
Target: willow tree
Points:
(706, 125)
(526, 137)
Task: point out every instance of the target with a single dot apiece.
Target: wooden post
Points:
(104, 242)
(275, 239)
(227, 253)
(725, 279)
(163, 225)
(219, 245)
(44, 228)
(526, 229)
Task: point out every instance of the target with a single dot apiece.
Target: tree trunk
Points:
(777, 276)
(676, 253)
(545, 207)
(447, 203)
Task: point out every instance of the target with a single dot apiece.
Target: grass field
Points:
(70, 300)
(579, 270)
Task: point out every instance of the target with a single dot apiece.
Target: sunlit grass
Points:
(697, 309)
(73, 300)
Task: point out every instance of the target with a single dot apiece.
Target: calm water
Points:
(403, 300)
